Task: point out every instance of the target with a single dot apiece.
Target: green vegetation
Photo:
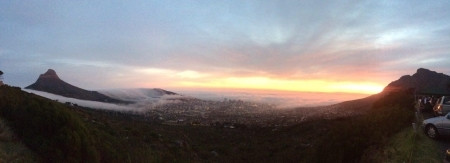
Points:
(47, 127)
(11, 149)
(349, 138)
(407, 146)
(60, 133)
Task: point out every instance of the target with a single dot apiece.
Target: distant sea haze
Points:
(282, 99)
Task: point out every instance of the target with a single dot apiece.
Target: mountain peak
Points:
(422, 70)
(49, 74)
(51, 83)
(423, 81)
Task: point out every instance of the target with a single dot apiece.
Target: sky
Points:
(306, 46)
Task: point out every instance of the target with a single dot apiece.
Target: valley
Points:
(186, 129)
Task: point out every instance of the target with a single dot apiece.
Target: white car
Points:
(437, 126)
(442, 106)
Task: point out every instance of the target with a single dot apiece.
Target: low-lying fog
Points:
(282, 99)
(146, 98)
(85, 103)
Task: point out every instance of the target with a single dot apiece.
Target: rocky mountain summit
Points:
(51, 83)
(423, 81)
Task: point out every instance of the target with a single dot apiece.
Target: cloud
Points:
(91, 104)
(162, 43)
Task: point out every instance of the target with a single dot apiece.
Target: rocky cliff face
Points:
(423, 81)
(51, 83)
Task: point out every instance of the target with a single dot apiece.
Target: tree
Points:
(1, 73)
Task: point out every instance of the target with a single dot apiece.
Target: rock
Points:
(215, 154)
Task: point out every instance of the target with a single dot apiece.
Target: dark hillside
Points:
(61, 133)
(47, 127)
(349, 138)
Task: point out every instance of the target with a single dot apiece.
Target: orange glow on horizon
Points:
(195, 79)
(263, 83)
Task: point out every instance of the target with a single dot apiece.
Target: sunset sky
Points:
(308, 46)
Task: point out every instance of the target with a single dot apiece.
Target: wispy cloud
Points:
(165, 43)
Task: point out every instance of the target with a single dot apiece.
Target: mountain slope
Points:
(423, 81)
(56, 132)
(51, 83)
(48, 128)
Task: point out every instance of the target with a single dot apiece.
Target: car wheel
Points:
(432, 132)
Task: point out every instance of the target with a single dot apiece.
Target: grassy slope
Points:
(407, 146)
(47, 127)
(11, 149)
(58, 133)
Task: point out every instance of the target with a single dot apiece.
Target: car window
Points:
(446, 100)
